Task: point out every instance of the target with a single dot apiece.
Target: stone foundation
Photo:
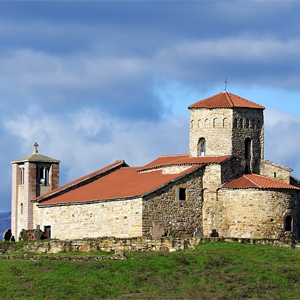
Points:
(140, 244)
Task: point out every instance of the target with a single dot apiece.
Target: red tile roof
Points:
(257, 181)
(125, 182)
(185, 159)
(85, 179)
(225, 100)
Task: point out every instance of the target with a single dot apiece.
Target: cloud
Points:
(282, 133)
(88, 139)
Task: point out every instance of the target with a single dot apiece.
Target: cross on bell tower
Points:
(35, 145)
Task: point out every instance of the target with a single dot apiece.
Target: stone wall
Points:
(113, 244)
(257, 213)
(211, 210)
(119, 246)
(215, 125)
(122, 218)
(248, 123)
(165, 214)
(275, 171)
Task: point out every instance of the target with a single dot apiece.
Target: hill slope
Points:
(4, 222)
(211, 271)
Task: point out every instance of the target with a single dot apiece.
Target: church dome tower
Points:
(226, 124)
(32, 176)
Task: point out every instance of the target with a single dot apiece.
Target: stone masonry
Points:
(105, 218)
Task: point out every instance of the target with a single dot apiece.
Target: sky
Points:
(97, 81)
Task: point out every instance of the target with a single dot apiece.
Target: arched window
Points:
(248, 148)
(199, 123)
(206, 123)
(22, 175)
(253, 124)
(247, 123)
(241, 123)
(201, 147)
(225, 122)
(288, 223)
(258, 124)
(235, 123)
(215, 122)
(192, 123)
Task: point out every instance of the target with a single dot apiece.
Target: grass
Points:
(212, 270)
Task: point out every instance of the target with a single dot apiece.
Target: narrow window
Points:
(201, 147)
(206, 123)
(258, 124)
(288, 223)
(241, 123)
(182, 194)
(192, 123)
(199, 123)
(247, 123)
(215, 122)
(22, 175)
(253, 124)
(248, 148)
(275, 174)
(235, 123)
(21, 208)
(225, 121)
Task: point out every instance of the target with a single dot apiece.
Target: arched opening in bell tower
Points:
(201, 147)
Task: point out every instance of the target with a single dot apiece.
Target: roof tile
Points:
(257, 181)
(125, 182)
(225, 100)
(185, 159)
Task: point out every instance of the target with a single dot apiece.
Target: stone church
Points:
(223, 187)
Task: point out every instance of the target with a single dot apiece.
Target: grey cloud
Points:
(282, 136)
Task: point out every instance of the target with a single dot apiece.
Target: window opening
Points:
(201, 146)
(235, 123)
(42, 176)
(21, 209)
(241, 123)
(288, 223)
(182, 194)
(248, 148)
(247, 123)
(214, 122)
(258, 124)
(22, 175)
(275, 174)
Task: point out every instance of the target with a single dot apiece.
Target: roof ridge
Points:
(227, 95)
(246, 175)
(173, 155)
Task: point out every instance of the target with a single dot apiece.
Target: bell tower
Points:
(32, 176)
(226, 124)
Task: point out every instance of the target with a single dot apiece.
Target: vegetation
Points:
(212, 270)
